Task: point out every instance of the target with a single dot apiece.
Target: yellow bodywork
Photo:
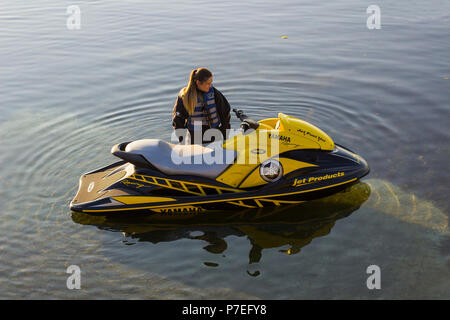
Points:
(273, 137)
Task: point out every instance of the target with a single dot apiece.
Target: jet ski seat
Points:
(175, 159)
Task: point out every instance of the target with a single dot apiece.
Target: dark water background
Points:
(67, 96)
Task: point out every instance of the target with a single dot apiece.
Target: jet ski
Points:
(270, 162)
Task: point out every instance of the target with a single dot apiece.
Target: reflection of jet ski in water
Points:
(264, 227)
(271, 162)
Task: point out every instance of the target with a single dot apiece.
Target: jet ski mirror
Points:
(247, 123)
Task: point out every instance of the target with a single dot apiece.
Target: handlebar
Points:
(240, 114)
(247, 123)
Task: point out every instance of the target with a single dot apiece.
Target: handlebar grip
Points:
(240, 114)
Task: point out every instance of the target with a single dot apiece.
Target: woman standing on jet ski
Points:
(201, 104)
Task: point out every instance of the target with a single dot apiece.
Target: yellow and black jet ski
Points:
(271, 162)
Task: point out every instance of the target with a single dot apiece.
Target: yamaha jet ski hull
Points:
(140, 185)
(271, 162)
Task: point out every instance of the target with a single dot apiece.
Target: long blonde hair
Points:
(189, 94)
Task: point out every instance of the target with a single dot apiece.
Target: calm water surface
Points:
(67, 96)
